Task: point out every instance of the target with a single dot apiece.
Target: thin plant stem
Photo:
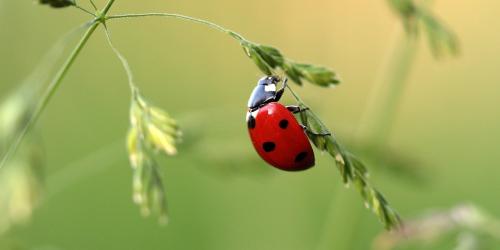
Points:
(93, 4)
(123, 60)
(235, 35)
(49, 93)
(41, 73)
(383, 104)
(339, 197)
(297, 98)
(385, 97)
(106, 9)
(54, 86)
(84, 10)
(382, 107)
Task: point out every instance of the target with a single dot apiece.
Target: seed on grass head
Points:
(415, 17)
(352, 170)
(136, 154)
(161, 140)
(152, 130)
(160, 116)
(21, 184)
(339, 159)
(268, 59)
(154, 127)
(14, 113)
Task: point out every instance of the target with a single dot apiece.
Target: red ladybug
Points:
(275, 133)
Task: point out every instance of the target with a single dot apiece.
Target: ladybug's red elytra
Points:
(275, 133)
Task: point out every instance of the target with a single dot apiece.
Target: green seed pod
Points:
(292, 73)
(270, 55)
(404, 7)
(317, 75)
(136, 154)
(58, 3)
(259, 61)
(160, 140)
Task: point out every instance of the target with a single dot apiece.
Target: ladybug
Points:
(275, 133)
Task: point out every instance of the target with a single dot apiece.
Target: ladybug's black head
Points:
(267, 80)
(264, 92)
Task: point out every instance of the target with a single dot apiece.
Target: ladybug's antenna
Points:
(285, 81)
(281, 75)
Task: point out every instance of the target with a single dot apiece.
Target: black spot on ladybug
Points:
(268, 146)
(300, 157)
(283, 124)
(251, 122)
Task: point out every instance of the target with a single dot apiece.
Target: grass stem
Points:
(375, 127)
(93, 5)
(84, 10)
(123, 60)
(53, 87)
(385, 97)
(235, 35)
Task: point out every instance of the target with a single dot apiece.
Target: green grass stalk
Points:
(385, 98)
(344, 217)
(54, 86)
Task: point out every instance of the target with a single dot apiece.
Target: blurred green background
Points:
(221, 195)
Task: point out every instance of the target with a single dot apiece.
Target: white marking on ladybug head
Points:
(270, 88)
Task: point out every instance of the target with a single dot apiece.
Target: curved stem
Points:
(385, 97)
(235, 35)
(123, 60)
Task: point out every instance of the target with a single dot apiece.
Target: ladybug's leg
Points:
(308, 130)
(296, 109)
(280, 92)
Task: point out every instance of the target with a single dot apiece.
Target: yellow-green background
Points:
(221, 195)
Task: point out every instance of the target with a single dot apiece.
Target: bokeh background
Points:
(221, 195)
